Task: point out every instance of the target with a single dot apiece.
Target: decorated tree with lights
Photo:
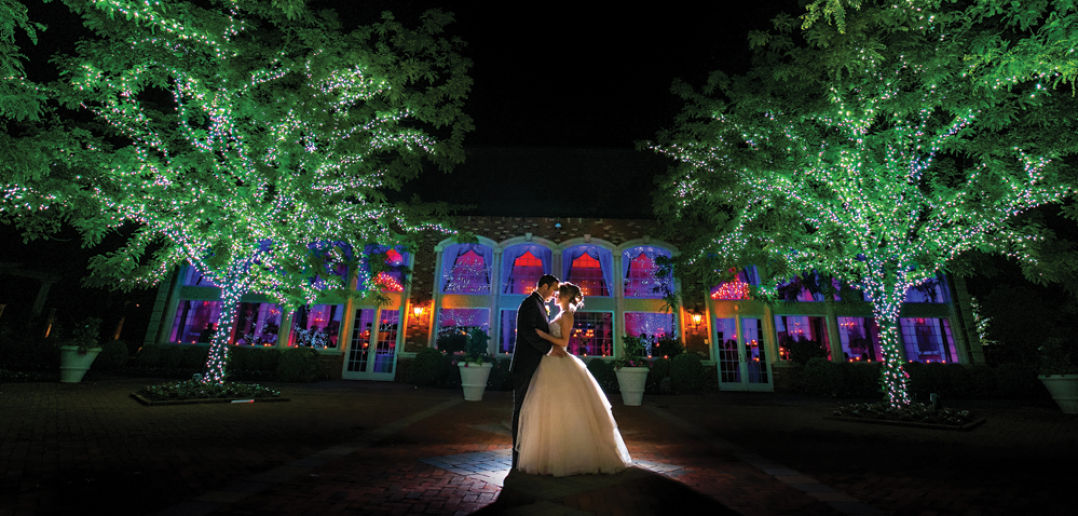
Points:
(254, 141)
(877, 155)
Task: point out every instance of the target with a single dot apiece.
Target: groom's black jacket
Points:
(530, 347)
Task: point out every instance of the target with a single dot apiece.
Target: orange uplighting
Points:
(696, 318)
(417, 310)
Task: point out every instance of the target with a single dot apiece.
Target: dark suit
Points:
(528, 351)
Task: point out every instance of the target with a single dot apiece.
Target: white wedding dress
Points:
(566, 427)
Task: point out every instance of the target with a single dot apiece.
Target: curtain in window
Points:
(593, 281)
(520, 269)
(466, 269)
(639, 269)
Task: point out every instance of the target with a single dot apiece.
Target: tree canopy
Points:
(877, 154)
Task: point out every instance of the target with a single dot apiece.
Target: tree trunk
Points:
(895, 380)
(216, 368)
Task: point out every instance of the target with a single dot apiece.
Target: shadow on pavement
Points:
(633, 491)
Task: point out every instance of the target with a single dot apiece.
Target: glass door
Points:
(742, 359)
(372, 350)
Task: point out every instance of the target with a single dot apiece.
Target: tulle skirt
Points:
(566, 427)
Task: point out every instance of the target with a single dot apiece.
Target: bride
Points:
(566, 427)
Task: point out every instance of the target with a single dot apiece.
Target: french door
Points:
(742, 363)
(372, 348)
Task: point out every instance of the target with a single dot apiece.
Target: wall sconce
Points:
(696, 320)
(417, 310)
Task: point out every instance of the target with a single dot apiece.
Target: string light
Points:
(851, 185)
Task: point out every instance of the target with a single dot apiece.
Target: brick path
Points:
(378, 448)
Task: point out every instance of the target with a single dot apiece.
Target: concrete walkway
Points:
(383, 448)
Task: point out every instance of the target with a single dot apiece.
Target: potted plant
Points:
(632, 372)
(475, 366)
(80, 350)
(1059, 373)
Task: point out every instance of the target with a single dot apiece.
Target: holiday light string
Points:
(880, 224)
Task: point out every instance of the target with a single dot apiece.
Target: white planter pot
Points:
(473, 379)
(1064, 389)
(631, 382)
(73, 365)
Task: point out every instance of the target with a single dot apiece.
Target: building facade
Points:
(455, 287)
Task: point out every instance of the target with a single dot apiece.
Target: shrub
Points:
(801, 351)
(686, 374)
(299, 365)
(860, 379)
(113, 356)
(603, 371)
(429, 367)
(451, 340)
(1018, 381)
(667, 347)
(21, 351)
(658, 377)
(821, 376)
(149, 357)
(499, 376)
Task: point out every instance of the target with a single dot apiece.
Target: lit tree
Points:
(247, 137)
(876, 155)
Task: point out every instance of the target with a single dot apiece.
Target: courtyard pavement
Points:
(345, 447)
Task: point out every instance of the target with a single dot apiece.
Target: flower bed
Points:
(193, 391)
(916, 414)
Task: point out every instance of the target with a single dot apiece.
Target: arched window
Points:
(391, 278)
(737, 288)
(522, 266)
(589, 267)
(641, 272)
(192, 277)
(466, 269)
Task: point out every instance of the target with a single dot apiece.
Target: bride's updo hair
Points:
(576, 299)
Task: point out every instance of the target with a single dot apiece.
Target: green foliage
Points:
(860, 380)
(1058, 355)
(668, 347)
(451, 340)
(191, 389)
(803, 350)
(635, 353)
(429, 367)
(299, 365)
(603, 372)
(113, 356)
(877, 153)
(687, 375)
(658, 380)
(85, 334)
(476, 350)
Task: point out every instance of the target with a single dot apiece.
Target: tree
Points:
(877, 155)
(255, 142)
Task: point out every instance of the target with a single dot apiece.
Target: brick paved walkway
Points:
(378, 448)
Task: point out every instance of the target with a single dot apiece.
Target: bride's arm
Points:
(566, 323)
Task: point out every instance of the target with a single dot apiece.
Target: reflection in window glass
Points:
(522, 266)
(396, 260)
(737, 288)
(931, 291)
(257, 324)
(756, 358)
(641, 272)
(592, 334)
(650, 326)
(589, 267)
(454, 325)
(316, 326)
(801, 337)
(928, 339)
(467, 269)
(509, 331)
(726, 341)
(386, 344)
(196, 321)
(359, 347)
(860, 339)
(192, 277)
(800, 289)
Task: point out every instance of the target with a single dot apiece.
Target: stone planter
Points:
(473, 379)
(1064, 389)
(74, 364)
(631, 381)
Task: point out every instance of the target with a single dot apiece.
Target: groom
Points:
(530, 347)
